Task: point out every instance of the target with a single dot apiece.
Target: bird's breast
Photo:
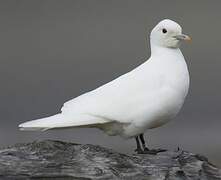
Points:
(170, 89)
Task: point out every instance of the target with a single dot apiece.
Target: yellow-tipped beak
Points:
(183, 37)
(187, 38)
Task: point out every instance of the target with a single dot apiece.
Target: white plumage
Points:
(146, 97)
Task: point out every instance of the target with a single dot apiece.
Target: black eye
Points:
(164, 30)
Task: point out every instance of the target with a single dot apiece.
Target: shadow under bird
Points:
(146, 97)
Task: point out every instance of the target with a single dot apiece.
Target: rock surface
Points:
(61, 160)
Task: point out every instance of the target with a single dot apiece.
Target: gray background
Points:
(52, 51)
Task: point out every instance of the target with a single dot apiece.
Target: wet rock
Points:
(62, 160)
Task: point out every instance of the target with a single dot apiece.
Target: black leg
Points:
(143, 143)
(138, 150)
(148, 151)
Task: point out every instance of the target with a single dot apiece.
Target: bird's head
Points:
(167, 33)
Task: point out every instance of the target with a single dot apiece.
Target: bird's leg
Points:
(138, 150)
(143, 143)
(148, 151)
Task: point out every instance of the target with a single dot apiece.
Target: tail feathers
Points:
(41, 124)
(61, 121)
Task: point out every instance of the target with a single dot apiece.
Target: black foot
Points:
(139, 151)
(146, 149)
(178, 149)
(153, 151)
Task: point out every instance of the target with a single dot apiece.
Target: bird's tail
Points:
(42, 124)
(61, 121)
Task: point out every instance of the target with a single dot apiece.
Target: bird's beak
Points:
(183, 37)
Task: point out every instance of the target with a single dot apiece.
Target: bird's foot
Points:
(153, 151)
(178, 149)
(139, 151)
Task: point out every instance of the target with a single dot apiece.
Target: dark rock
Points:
(61, 160)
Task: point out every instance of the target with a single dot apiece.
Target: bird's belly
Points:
(165, 110)
(161, 111)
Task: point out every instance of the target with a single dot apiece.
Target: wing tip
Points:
(24, 127)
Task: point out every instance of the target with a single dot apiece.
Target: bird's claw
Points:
(139, 151)
(153, 151)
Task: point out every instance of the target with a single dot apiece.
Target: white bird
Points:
(144, 98)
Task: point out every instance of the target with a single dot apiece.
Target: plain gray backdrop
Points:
(52, 51)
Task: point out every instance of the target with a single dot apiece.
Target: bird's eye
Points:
(164, 30)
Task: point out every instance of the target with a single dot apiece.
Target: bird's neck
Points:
(167, 57)
(159, 50)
